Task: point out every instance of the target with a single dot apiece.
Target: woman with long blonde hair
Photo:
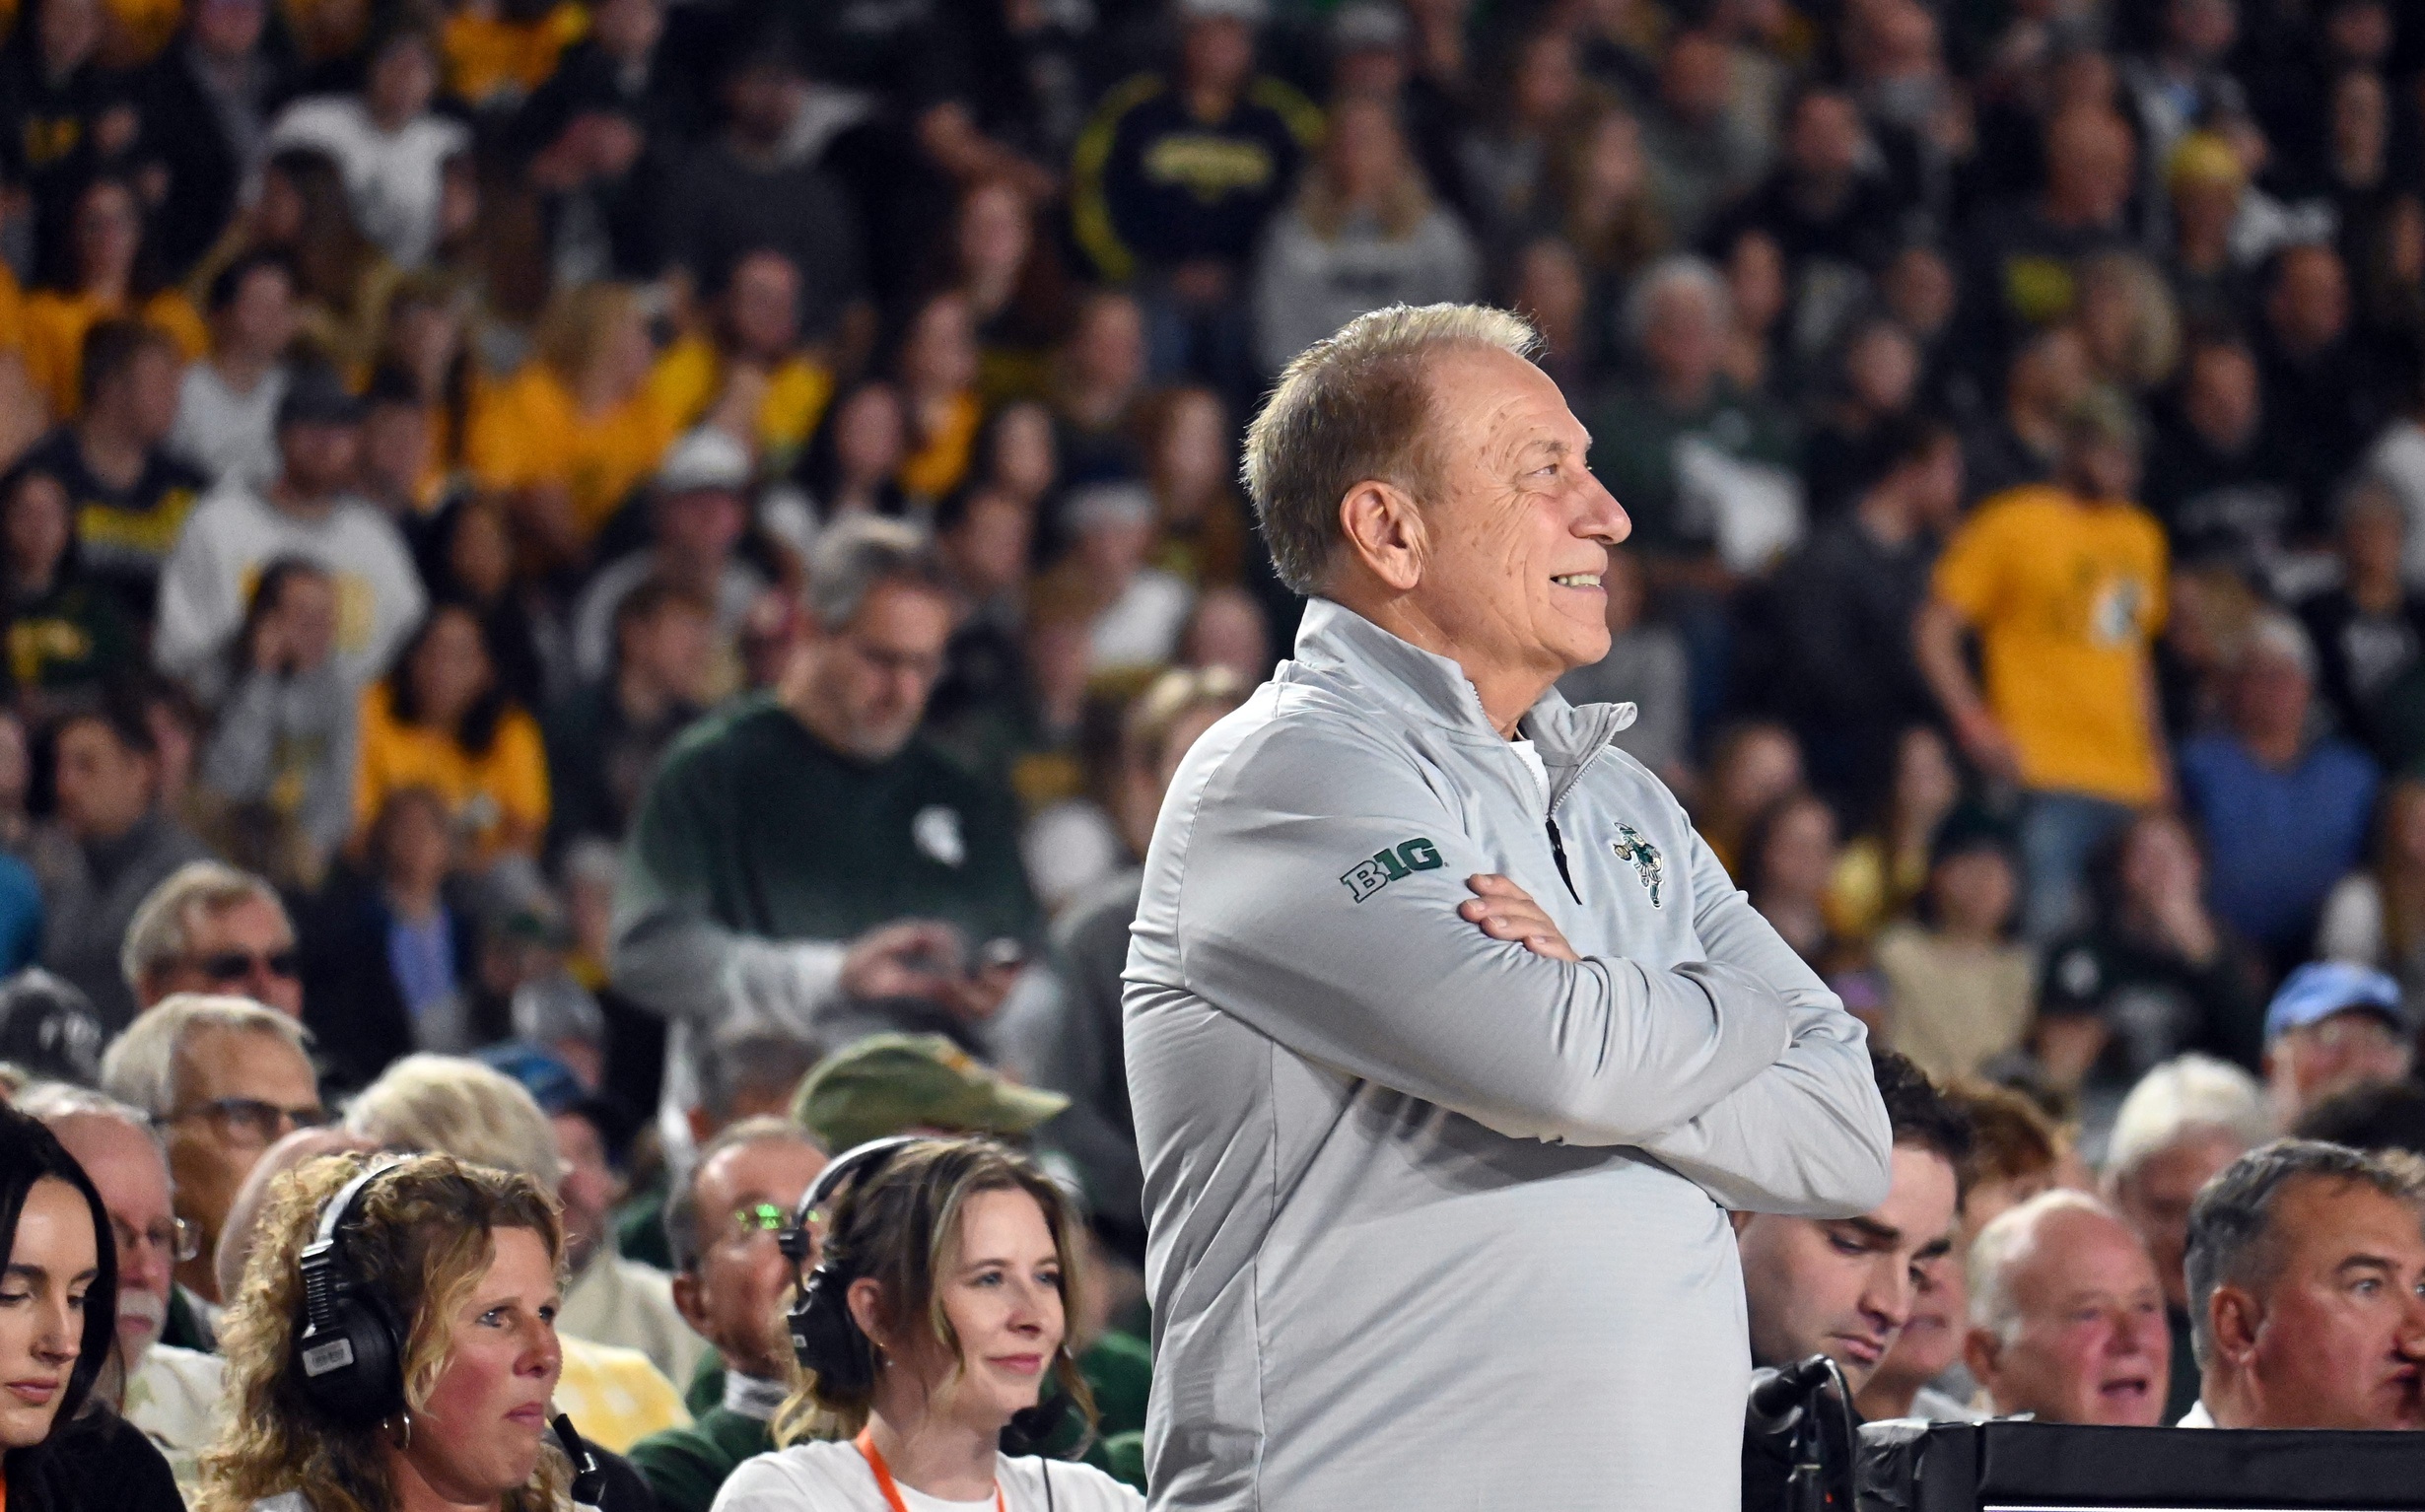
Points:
(458, 1265)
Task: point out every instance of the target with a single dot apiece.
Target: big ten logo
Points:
(1390, 865)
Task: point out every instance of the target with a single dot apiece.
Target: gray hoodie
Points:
(1437, 1223)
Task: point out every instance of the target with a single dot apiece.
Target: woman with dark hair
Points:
(937, 1312)
(851, 462)
(62, 631)
(467, 555)
(111, 273)
(279, 768)
(342, 282)
(61, 1450)
(441, 721)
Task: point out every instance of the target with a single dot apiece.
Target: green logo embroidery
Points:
(1385, 866)
(1630, 846)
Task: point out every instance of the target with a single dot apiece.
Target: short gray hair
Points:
(460, 1107)
(683, 1240)
(2186, 1096)
(752, 1058)
(139, 1067)
(1354, 406)
(156, 937)
(49, 1102)
(1678, 270)
(2231, 1224)
(2009, 1239)
(859, 552)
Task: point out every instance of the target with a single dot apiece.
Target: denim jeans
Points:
(2059, 832)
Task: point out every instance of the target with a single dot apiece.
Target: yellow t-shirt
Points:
(487, 56)
(527, 432)
(614, 1396)
(691, 374)
(2065, 598)
(12, 311)
(937, 468)
(55, 323)
(510, 781)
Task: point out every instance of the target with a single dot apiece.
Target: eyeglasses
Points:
(227, 966)
(250, 1118)
(175, 1237)
(757, 1218)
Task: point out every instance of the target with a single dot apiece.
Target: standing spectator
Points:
(2281, 816)
(2068, 1315)
(307, 511)
(129, 497)
(1361, 233)
(208, 119)
(440, 721)
(2375, 917)
(226, 412)
(1959, 991)
(1703, 153)
(2369, 630)
(64, 634)
(2334, 1028)
(2045, 381)
(2064, 587)
(2026, 254)
(1645, 667)
(2212, 480)
(605, 740)
(109, 843)
(2322, 402)
(751, 345)
(1181, 225)
(279, 768)
(697, 513)
(391, 148)
(110, 278)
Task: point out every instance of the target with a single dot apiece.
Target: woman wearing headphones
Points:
(933, 1320)
(414, 1371)
(61, 1448)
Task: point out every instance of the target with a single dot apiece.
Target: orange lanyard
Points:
(865, 1444)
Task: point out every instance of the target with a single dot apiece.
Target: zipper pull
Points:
(1557, 850)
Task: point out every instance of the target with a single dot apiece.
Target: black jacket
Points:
(98, 1463)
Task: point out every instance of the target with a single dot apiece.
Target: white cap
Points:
(706, 458)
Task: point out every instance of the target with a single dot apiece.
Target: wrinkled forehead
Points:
(1493, 408)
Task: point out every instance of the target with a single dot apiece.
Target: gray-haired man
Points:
(1450, 1041)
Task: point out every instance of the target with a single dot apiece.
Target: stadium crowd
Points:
(608, 592)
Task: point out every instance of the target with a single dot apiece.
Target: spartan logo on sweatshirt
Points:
(1630, 846)
(1388, 864)
(935, 829)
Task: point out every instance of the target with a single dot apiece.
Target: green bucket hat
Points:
(893, 1083)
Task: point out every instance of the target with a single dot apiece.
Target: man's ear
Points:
(2233, 1318)
(1385, 532)
(688, 1302)
(1982, 1351)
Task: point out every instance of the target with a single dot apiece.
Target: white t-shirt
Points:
(227, 434)
(835, 1478)
(1530, 754)
(394, 178)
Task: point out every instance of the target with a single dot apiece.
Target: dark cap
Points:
(48, 1029)
(316, 395)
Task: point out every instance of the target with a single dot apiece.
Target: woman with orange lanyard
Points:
(930, 1324)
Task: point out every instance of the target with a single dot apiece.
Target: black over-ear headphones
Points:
(825, 1338)
(351, 1352)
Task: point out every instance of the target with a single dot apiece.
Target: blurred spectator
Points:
(1201, 529)
(1755, 297)
(2185, 1122)
(424, 347)
(129, 497)
(2129, 322)
(2064, 588)
(227, 411)
(2068, 1315)
(2305, 1265)
(935, 365)
(279, 768)
(222, 1079)
(2026, 252)
(69, 115)
(48, 1032)
(1507, 159)
(2396, 457)
(110, 277)
(208, 119)
(2385, 1116)
(65, 636)
(468, 557)
(1137, 610)
(599, 128)
(698, 509)
(342, 279)
(2333, 1027)
(1702, 152)
(1604, 211)
(1181, 224)
(1883, 869)
(2371, 629)
(1880, 378)
(901, 1083)
(2183, 81)
(440, 721)
(107, 845)
(2043, 385)
(1097, 379)
(778, 860)
(400, 476)
(1751, 766)
(604, 742)
(853, 463)
(1363, 231)
(307, 511)
(386, 141)
(2206, 185)
(1788, 854)
(2375, 917)
(1018, 294)
(2218, 489)
(2322, 402)
(1959, 991)
(1829, 207)
(210, 929)
(391, 942)
(750, 348)
(1645, 667)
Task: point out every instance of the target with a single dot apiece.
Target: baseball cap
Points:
(2321, 989)
(706, 458)
(48, 1029)
(316, 395)
(893, 1083)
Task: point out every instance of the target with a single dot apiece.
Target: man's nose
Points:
(1604, 519)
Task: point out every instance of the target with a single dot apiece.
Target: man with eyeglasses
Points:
(220, 1078)
(171, 1394)
(731, 1284)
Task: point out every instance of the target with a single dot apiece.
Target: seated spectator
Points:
(1752, 766)
(1880, 378)
(1018, 292)
(1202, 532)
(2044, 381)
(227, 411)
(70, 112)
(2186, 1120)
(568, 437)
(391, 941)
(386, 141)
(1644, 666)
(1098, 376)
(1788, 855)
(279, 768)
(209, 927)
(604, 742)
(898, 1317)
(1881, 871)
(465, 1259)
(697, 512)
(1844, 1287)
(744, 1072)
(127, 496)
(484, 1118)
(2333, 1027)
(2304, 1261)
(2016, 1152)
(898, 1083)
(2372, 918)
(2323, 401)
(1959, 991)
(401, 477)
(818, 795)
(1135, 610)
(61, 1448)
(108, 843)
(1755, 302)
(2210, 478)
(1507, 157)
(343, 283)
(212, 92)
(222, 1079)
(853, 463)
(935, 366)
(730, 1278)
(1363, 231)
(2371, 629)
(66, 636)
(2068, 711)
(752, 347)
(105, 281)
(2281, 816)
(2206, 186)
(307, 511)
(1703, 151)
(172, 1395)
(2068, 1315)
(440, 721)
(2129, 322)
(467, 556)
(2027, 251)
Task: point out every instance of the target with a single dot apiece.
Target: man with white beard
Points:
(172, 1395)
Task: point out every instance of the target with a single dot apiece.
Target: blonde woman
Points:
(460, 1264)
(934, 1316)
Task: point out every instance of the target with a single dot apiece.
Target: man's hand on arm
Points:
(1506, 911)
